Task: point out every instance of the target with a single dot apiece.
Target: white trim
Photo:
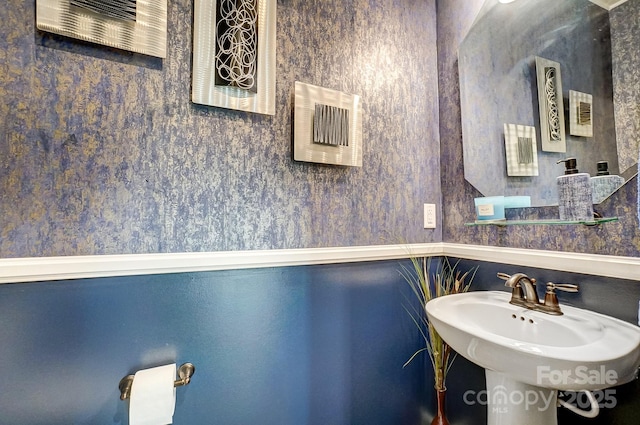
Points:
(593, 264)
(80, 267)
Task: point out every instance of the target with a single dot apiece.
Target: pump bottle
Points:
(575, 200)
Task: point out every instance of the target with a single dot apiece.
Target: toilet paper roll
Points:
(153, 396)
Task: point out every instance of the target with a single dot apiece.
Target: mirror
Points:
(596, 52)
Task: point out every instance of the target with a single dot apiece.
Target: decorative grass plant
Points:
(425, 286)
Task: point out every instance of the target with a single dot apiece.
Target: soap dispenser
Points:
(575, 199)
(604, 184)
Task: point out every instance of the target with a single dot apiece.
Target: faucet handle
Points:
(551, 304)
(504, 276)
(566, 287)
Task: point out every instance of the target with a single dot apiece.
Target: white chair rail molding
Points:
(37, 269)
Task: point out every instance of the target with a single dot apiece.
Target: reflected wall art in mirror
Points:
(587, 50)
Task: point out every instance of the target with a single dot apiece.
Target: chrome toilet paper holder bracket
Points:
(185, 372)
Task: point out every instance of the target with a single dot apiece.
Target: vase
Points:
(440, 418)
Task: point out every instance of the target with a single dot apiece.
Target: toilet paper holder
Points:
(185, 372)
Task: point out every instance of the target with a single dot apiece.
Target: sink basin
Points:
(529, 356)
(580, 350)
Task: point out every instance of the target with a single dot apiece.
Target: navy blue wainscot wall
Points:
(296, 345)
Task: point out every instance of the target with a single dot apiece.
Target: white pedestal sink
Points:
(530, 355)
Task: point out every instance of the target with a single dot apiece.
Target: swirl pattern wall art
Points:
(234, 54)
(237, 49)
(551, 104)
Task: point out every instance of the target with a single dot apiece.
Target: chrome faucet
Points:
(529, 298)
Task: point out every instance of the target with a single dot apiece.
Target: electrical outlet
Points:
(429, 216)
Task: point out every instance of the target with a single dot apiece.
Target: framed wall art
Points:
(327, 126)
(134, 25)
(521, 150)
(551, 106)
(234, 54)
(580, 114)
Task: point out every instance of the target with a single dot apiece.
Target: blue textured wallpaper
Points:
(621, 238)
(625, 33)
(101, 151)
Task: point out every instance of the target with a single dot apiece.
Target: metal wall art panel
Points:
(327, 126)
(234, 54)
(551, 105)
(135, 25)
(580, 114)
(521, 150)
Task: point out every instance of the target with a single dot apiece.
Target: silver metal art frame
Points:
(146, 34)
(304, 148)
(580, 114)
(516, 139)
(551, 105)
(205, 47)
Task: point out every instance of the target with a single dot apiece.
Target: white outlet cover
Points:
(429, 216)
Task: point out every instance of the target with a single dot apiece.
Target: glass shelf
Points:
(539, 222)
